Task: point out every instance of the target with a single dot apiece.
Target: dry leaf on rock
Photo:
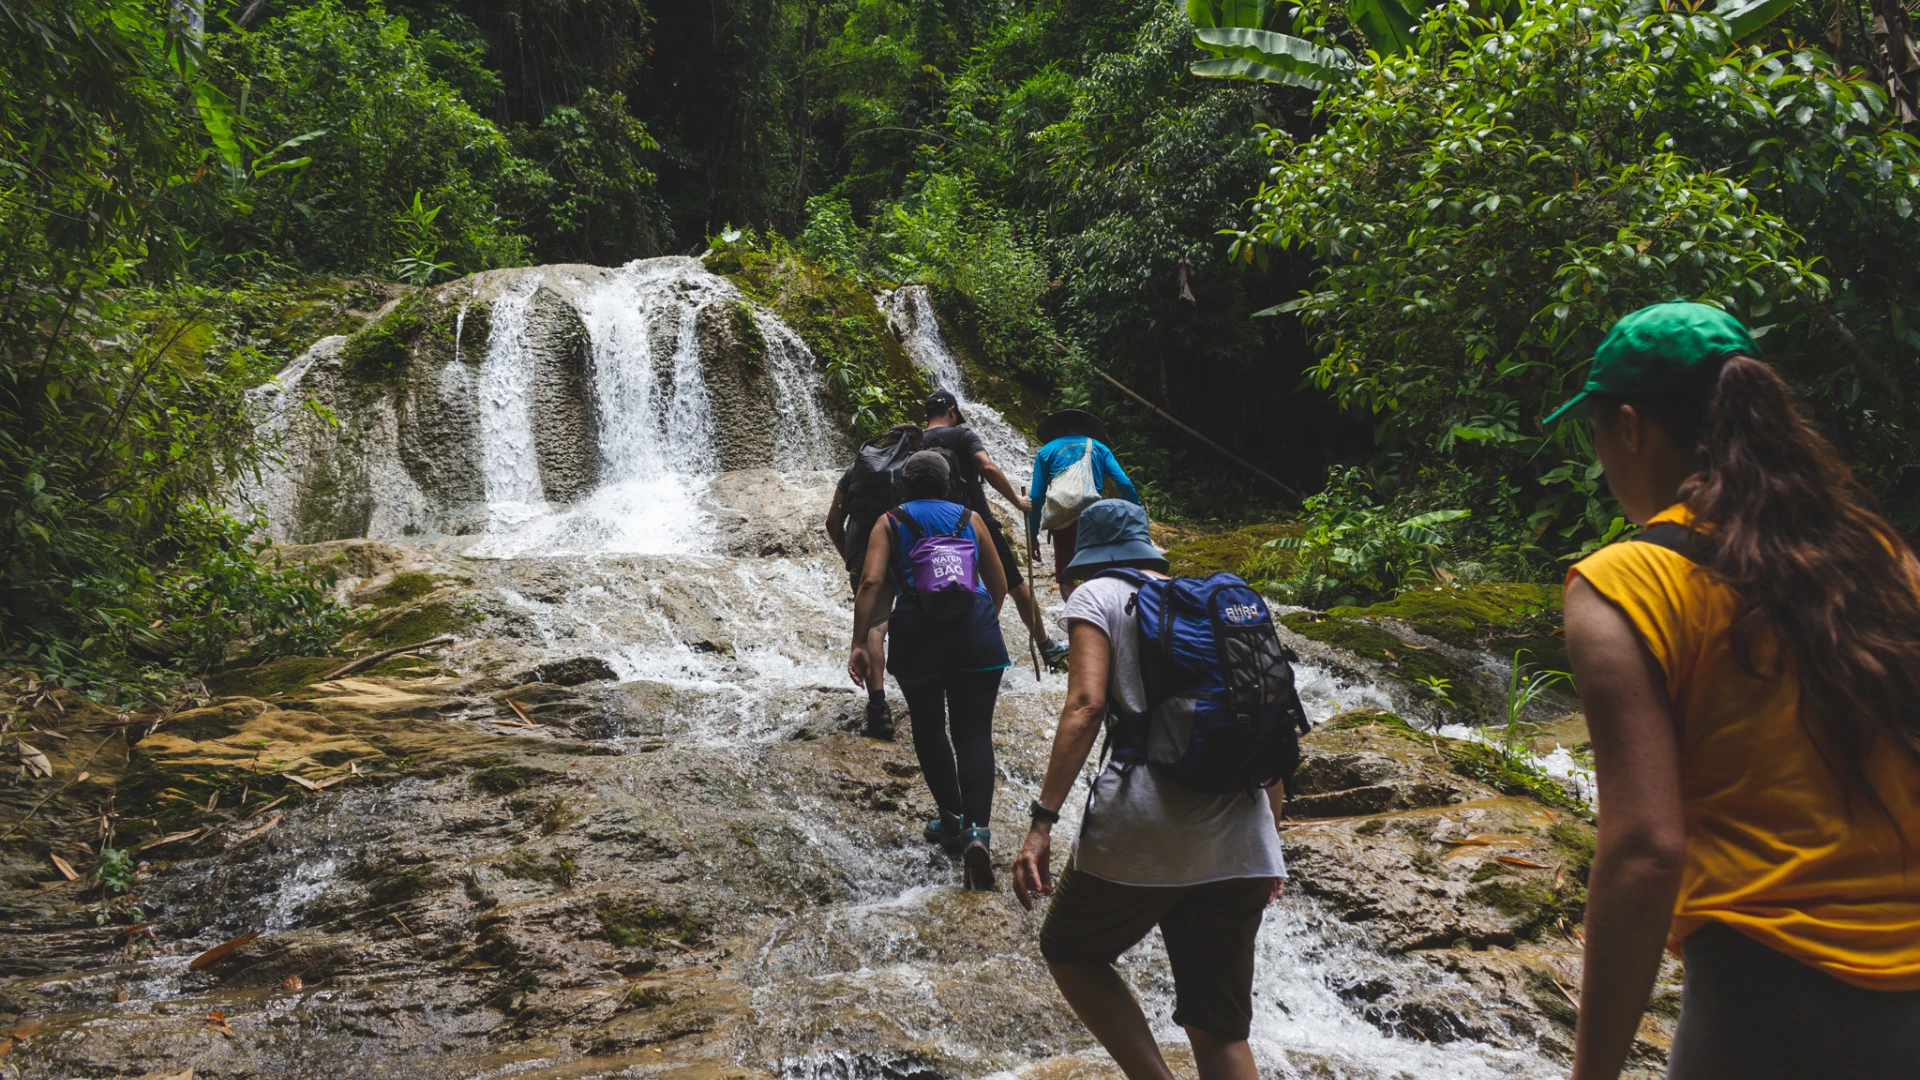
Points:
(27, 1029)
(302, 781)
(189, 834)
(221, 952)
(264, 826)
(1529, 863)
(65, 868)
(36, 762)
(217, 1021)
(292, 982)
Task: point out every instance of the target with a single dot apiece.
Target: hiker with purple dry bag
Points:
(946, 653)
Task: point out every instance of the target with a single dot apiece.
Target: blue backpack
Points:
(1222, 713)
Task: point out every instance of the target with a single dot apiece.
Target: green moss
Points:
(1499, 618)
(1197, 552)
(420, 623)
(647, 997)
(1490, 869)
(635, 923)
(746, 330)
(1369, 828)
(380, 351)
(870, 375)
(1574, 840)
(404, 586)
(282, 676)
(1409, 662)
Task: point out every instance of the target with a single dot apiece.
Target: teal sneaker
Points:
(947, 832)
(1054, 655)
(977, 858)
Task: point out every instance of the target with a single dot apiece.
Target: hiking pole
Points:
(1033, 647)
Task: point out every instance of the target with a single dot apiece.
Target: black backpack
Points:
(874, 486)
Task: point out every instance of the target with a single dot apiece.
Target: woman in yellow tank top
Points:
(1750, 669)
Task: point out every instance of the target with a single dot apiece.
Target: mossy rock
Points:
(282, 676)
(1196, 551)
(405, 586)
(1501, 618)
(836, 316)
(380, 352)
(634, 922)
(421, 622)
(1408, 662)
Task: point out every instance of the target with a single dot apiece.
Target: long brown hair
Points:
(1826, 585)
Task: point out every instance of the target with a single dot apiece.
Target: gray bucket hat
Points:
(1113, 531)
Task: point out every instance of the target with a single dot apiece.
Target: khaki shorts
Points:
(884, 605)
(1209, 931)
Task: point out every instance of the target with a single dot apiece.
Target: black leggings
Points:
(1750, 1013)
(968, 696)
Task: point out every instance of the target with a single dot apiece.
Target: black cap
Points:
(940, 401)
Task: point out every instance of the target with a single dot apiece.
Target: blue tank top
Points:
(933, 516)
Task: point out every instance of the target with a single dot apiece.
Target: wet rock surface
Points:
(605, 813)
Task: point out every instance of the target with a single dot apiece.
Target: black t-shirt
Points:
(964, 442)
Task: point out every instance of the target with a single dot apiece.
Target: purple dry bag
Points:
(940, 567)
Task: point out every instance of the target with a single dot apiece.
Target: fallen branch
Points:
(373, 658)
(1223, 451)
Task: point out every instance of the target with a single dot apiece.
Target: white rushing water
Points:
(657, 434)
(509, 462)
(910, 312)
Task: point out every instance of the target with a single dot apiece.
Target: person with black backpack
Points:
(1196, 694)
(870, 487)
(974, 470)
(948, 654)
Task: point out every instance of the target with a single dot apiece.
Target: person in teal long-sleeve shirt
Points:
(1069, 435)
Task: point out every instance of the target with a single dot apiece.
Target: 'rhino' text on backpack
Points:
(940, 566)
(875, 484)
(1222, 713)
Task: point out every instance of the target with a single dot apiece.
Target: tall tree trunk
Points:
(1897, 57)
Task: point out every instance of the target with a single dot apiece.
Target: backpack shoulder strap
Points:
(962, 523)
(1688, 544)
(1123, 573)
(907, 521)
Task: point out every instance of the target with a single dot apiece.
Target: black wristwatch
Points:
(1041, 813)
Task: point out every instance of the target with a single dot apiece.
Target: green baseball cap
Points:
(1670, 348)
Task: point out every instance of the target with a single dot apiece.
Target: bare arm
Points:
(1080, 721)
(837, 521)
(873, 573)
(1642, 844)
(991, 473)
(991, 571)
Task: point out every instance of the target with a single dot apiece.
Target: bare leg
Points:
(1029, 608)
(877, 660)
(1102, 1001)
(1219, 1059)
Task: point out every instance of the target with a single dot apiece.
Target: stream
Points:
(690, 866)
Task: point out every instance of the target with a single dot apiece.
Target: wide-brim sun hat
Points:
(1113, 531)
(1071, 422)
(1672, 348)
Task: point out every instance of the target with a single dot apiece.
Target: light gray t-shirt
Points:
(1140, 830)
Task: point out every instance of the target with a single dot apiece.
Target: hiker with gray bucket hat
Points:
(946, 650)
(1189, 681)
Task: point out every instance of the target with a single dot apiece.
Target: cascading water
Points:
(712, 596)
(910, 312)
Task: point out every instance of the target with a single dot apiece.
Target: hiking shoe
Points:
(1054, 655)
(946, 832)
(977, 859)
(879, 723)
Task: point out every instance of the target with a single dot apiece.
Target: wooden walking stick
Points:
(1033, 647)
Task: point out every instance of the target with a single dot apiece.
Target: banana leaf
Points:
(1389, 25)
(1227, 13)
(1265, 56)
(1744, 18)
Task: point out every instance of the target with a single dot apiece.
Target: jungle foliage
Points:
(1370, 241)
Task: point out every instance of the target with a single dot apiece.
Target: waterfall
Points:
(909, 311)
(509, 464)
(658, 438)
